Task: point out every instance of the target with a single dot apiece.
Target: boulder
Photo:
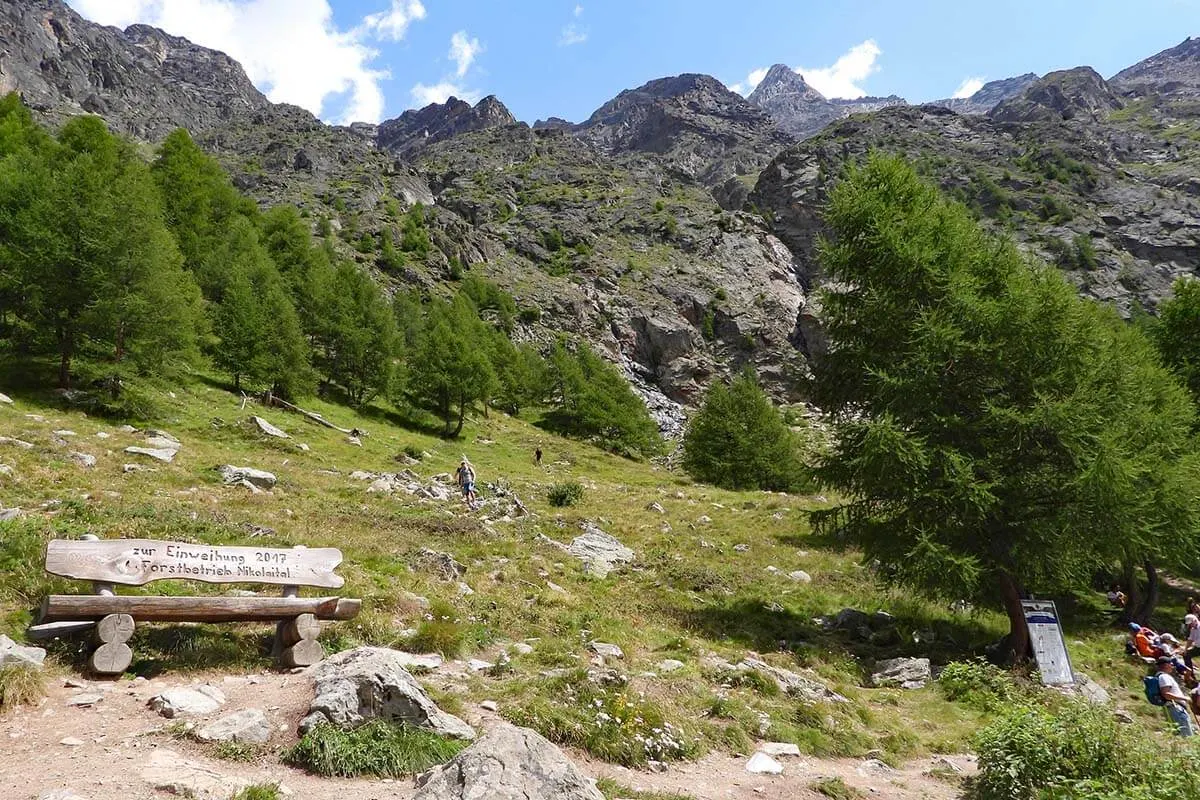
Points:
(599, 552)
(163, 443)
(5, 399)
(779, 749)
(763, 764)
(268, 429)
(1091, 691)
(669, 665)
(508, 763)
(800, 576)
(249, 725)
(16, 442)
(13, 654)
(356, 686)
(792, 683)
(170, 772)
(255, 477)
(9, 514)
(157, 453)
(907, 673)
(441, 564)
(183, 701)
(606, 650)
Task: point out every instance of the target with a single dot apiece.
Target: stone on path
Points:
(248, 725)
(355, 686)
(907, 673)
(178, 701)
(268, 428)
(85, 699)
(873, 766)
(13, 654)
(169, 771)
(779, 749)
(157, 453)
(508, 763)
(72, 741)
(258, 478)
(60, 794)
(763, 764)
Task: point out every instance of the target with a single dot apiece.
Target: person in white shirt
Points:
(1177, 705)
(1191, 624)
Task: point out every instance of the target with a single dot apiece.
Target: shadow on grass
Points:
(162, 650)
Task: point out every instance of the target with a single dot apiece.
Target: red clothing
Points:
(1144, 642)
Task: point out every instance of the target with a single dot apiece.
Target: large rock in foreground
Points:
(508, 763)
(357, 686)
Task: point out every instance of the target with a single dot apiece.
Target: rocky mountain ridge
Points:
(657, 227)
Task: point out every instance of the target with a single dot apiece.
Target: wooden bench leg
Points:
(113, 656)
(296, 642)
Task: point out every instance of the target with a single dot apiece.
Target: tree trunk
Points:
(1146, 608)
(462, 415)
(1133, 593)
(64, 362)
(1016, 647)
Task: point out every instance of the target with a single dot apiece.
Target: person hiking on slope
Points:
(464, 476)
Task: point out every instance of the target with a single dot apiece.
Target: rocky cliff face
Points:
(1113, 202)
(795, 106)
(1175, 71)
(413, 131)
(142, 81)
(691, 125)
(1065, 94)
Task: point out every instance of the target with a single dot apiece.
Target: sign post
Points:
(1049, 646)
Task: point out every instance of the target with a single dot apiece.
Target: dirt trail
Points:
(111, 741)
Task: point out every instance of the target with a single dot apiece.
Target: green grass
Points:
(835, 789)
(377, 748)
(259, 791)
(21, 685)
(612, 790)
(689, 595)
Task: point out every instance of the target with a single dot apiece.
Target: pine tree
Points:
(449, 370)
(995, 433)
(738, 440)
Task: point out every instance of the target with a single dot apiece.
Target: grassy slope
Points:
(690, 593)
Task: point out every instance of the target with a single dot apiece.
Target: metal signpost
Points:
(1049, 647)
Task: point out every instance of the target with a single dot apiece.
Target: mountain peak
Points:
(1175, 70)
(1060, 95)
(781, 81)
(415, 129)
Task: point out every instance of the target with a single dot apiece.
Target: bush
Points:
(21, 685)
(738, 440)
(561, 495)
(977, 684)
(836, 789)
(377, 748)
(259, 791)
(413, 452)
(1029, 750)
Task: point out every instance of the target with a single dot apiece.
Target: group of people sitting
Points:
(1173, 666)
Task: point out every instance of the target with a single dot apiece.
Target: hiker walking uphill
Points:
(464, 476)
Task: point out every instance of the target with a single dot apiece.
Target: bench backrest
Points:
(135, 562)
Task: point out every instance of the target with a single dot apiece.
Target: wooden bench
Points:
(136, 562)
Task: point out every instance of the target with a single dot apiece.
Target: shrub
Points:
(413, 452)
(976, 683)
(561, 495)
(235, 751)
(836, 789)
(1028, 749)
(377, 748)
(20, 685)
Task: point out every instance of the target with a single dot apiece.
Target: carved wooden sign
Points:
(138, 561)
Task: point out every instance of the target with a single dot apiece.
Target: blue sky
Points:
(371, 59)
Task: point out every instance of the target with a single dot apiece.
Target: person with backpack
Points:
(465, 476)
(1163, 690)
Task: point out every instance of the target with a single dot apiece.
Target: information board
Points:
(1049, 647)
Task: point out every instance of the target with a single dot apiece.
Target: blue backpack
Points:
(1153, 694)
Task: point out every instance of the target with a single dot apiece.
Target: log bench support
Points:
(113, 617)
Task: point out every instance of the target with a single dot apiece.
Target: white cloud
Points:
(572, 34)
(291, 49)
(393, 23)
(578, 10)
(463, 51)
(747, 86)
(968, 87)
(440, 92)
(851, 69)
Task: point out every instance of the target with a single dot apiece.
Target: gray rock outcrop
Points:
(356, 686)
(248, 725)
(508, 763)
(907, 673)
(258, 478)
(13, 654)
(182, 701)
(600, 552)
